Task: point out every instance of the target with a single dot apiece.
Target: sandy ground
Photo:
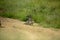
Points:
(34, 32)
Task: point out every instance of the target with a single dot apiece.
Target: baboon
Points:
(29, 20)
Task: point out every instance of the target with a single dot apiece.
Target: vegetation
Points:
(44, 12)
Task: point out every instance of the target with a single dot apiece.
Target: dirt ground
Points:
(34, 32)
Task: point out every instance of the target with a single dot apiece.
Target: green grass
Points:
(44, 12)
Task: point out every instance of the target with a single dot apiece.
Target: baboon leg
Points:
(29, 22)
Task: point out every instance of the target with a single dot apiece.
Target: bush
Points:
(44, 12)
